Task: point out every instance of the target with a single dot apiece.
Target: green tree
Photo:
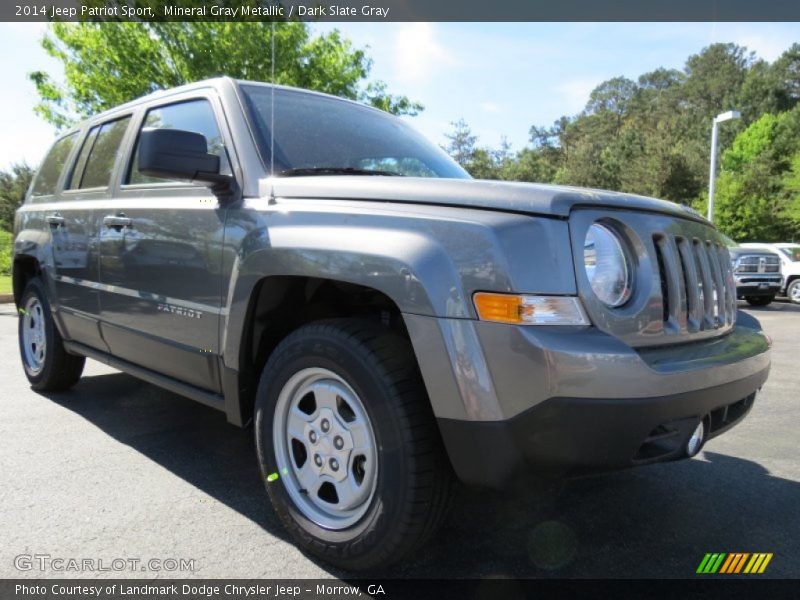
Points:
(107, 64)
(610, 102)
(791, 188)
(481, 163)
(14, 183)
(461, 143)
(652, 136)
(529, 165)
(756, 197)
(772, 87)
(551, 144)
(714, 78)
(750, 144)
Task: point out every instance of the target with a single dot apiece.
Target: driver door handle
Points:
(117, 221)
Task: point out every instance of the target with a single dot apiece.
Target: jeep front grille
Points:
(697, 288)
(682, 283)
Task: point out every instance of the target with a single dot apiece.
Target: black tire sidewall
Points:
(35, 288)
(352, 363)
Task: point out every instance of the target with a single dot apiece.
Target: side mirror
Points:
(178, 154)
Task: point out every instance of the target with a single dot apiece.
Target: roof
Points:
(213, 83)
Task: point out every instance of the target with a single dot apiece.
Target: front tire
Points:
(759, 300)
(47, 364)
(348, 445)
(793, 291)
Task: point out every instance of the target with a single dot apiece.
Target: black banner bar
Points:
(390, 589)
(401, 10)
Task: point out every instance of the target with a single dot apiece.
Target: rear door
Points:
(69, 227)
(160, 256)
(73, 225)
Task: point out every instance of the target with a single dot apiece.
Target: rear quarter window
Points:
(98, 155)
(47, 177)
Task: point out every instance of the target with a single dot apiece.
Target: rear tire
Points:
(364, 379)
(759, 300)
(47, 364)
(793, 291)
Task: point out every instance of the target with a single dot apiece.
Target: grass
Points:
(5, 284)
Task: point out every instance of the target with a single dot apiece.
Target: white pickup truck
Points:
(790, 266)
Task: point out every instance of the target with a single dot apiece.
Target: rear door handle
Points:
(55, 219)
(117, 221)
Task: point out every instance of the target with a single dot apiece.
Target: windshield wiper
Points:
(335, 171)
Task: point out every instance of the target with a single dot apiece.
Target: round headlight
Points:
(607, 266)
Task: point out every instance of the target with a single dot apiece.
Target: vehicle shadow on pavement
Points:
(191, 440)
(777, 306)
(656, 521)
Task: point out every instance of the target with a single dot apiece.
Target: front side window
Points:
(98, 155)
(317, 134)
(50, 171)
(792, 252)
(196, 116)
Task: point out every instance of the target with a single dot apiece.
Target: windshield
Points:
(793, 252)
(316, 134)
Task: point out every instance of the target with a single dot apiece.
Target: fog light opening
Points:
(697, 439)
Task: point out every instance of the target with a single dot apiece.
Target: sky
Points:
(501, 78)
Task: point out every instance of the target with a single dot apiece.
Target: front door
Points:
(160, 260)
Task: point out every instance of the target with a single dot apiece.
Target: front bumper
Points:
(748, 285)
(565, 437)
(570, 401)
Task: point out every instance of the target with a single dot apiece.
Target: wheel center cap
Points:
(334, 443)
(325, 446)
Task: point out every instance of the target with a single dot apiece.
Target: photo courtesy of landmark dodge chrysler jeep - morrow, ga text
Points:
(389, 325)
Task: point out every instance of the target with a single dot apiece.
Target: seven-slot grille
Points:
(758, 264)
(697, 285)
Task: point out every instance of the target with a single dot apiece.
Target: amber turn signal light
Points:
(523, 309)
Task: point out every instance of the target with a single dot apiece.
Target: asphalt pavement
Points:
(120, 469)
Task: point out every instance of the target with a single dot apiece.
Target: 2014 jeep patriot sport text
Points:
(316, 267)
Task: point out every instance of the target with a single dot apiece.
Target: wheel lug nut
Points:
(338, 442)
(312, 436)
(325, 425)
(334, 464)
(318, 460)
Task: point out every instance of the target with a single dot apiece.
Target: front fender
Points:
(427, 260)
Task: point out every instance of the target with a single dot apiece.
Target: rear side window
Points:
(99, 153)
(80, 164)
(49, 172)
(193, 115)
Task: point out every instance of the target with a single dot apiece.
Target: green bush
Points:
(6, 246)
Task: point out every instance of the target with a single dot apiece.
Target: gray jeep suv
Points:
(317, 268)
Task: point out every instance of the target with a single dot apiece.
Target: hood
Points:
(737, 251)
(532, 198)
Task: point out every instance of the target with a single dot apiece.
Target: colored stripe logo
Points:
(734, 563)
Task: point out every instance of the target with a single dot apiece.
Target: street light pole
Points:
(726, 116)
